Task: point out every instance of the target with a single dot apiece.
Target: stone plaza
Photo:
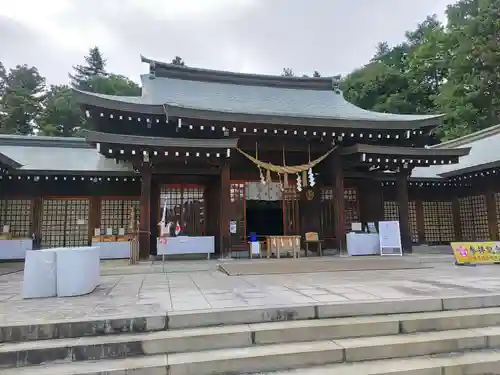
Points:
(189, 318)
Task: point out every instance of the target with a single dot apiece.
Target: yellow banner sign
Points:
(476, 252)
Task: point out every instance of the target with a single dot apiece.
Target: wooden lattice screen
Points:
(438, 222)
(327, 214)
(497, 207)
(474, 218)
(64, 222)
(115, 213)
(480, 210)
(185, 204)
(238, 206)
(17, 214)
(351, 207)
(391, 213)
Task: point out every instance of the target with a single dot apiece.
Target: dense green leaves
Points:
(452, 69)
(21, 101)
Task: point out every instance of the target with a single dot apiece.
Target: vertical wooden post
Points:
(225, 208)
(36, 216)
(404, 216)
(94, 216)
(492, 216)
(338, 177)
(145, 219)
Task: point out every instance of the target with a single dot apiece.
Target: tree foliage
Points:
(21, 101)
(95, 67)
(452, 69)
(287, 72)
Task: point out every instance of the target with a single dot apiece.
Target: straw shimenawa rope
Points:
(286, 169)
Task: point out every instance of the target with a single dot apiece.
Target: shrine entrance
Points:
(265, 218)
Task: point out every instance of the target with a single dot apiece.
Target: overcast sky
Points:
(258, 36)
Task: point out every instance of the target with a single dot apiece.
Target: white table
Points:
(186, 245)
(62, 272)
(15, 248)
(114, 250)
(363, 244)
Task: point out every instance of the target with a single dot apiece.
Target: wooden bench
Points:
(313, 238)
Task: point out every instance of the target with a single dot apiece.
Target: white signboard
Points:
(232, 226)
(390, 238)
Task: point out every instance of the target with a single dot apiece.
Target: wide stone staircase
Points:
(449, 336)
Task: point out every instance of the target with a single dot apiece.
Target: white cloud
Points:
(242, 35)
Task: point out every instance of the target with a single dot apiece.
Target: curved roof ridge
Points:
(168, 70)
(469, 138)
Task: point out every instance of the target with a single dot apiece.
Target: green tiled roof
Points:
(214, 95)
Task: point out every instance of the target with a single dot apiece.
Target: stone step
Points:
(238, 336)
(208, 318)
(268, 358)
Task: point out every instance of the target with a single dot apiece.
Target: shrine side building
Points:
(268, 154)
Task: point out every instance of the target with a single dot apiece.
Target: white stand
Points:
(255, 249)
(390, 238)
(78, 271)
(40, 274)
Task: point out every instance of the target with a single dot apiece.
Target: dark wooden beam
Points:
(404, 215)
(145, 218)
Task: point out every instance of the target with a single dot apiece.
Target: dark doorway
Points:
(264, 218)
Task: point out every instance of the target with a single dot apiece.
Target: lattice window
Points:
(497, 206)
(412, 217)
(17, 214)
(447, 227)
(480, 215)
(65, 222)
(237, 194)
(53, 223)
(115, 213)
(186, 205)
(391, 211)
(77, 222)
(327, 216)
(466, 218)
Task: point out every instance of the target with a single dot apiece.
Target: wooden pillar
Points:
(94, 216)
(36, 216)
(145, 219)
(338, 179)
(492, 216)
(404, 216)
(225, 210)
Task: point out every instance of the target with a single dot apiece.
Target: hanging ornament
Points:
(268, 176)
(299, 183)
(261, 175)
(311, 178)
(285, 180)
(281, 183)
(304, 178)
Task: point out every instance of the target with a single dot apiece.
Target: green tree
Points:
(22, 99)
(114, 84)
(178, 61)
(470, 98)
(287, 72)
(95, 67)
(61, 116)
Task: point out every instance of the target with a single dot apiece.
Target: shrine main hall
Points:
(224, 154)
